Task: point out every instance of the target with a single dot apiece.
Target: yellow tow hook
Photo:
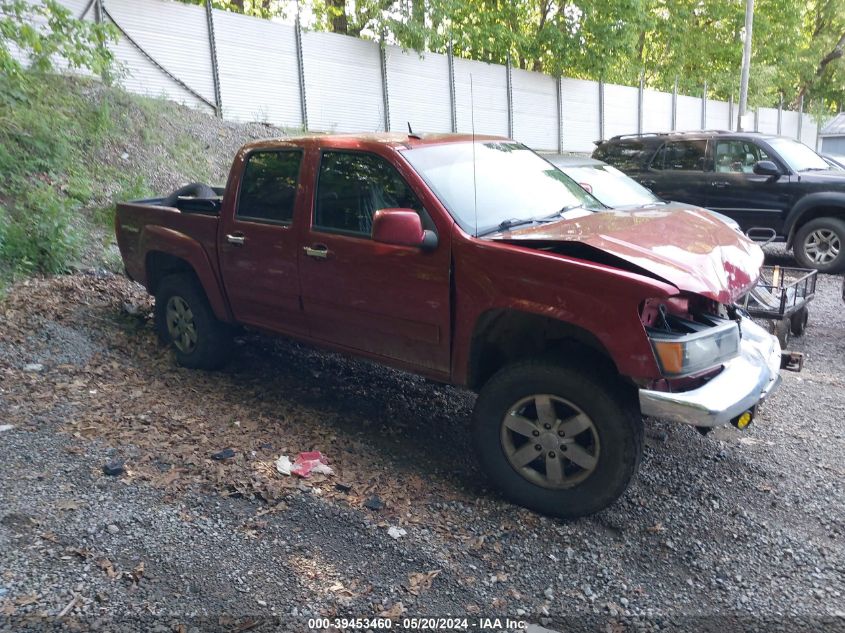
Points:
(743, 420)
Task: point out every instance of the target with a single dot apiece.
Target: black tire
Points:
(617, 431)
(798, 321)
(195, 189)
(212, 344)
(781, 330)
(809, 233)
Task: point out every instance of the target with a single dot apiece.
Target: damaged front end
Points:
(718, 365)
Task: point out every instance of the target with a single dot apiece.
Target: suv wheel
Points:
(820, 244)
(557, 439)
(185, 320)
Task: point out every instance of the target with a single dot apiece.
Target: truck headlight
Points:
(685, 354)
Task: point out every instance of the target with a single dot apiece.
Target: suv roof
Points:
(655, 137)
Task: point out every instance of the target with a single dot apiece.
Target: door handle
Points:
(236, 238)
(720, 184)
(318, 251)
(648, 183)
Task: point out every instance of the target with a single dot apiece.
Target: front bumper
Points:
(744, 382)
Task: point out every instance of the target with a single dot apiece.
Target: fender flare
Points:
(807, 204)
(176, 244)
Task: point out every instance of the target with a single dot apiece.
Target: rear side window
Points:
(681, 156)
(268, 188)
(627, 156)
(354, 185)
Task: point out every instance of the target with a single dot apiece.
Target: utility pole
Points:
(746, 63)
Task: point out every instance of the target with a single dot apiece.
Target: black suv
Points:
(772, 185)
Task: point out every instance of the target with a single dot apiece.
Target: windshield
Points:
(610, 185)
(512, 183)
(798, 156)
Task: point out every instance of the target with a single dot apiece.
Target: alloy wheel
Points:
(550, 441)
(180, 324)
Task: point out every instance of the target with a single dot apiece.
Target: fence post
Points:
(559, 84)
(780, 113)
(800, 116)
(640, 103)
(675, 105)
(452, 97)
(601, 109)
(818, 134)
(98, 11)
(730, 112)
(215, 71)
(300, 68)
(509, 81)
(756, 119)
(385, 95)
(704, 107)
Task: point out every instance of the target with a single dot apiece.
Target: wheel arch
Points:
(811, 207)
(504, 336)
(170, 252)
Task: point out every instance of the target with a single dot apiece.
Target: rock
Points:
(550, 595)
(343, 487)
(624, 602)
(374, 503)
(124, 156)
(396, 532)
(33, 367)
(261, 603)
(520, 612)
(112, 528)
(113, 469)
(226, 453)
(588, 591)
(6, 427)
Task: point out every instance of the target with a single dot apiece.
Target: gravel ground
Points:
(725, 532)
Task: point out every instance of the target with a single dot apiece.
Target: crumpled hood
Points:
(686, 247)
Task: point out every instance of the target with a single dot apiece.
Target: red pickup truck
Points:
(473, 261)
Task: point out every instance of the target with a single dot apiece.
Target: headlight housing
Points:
(686, 354)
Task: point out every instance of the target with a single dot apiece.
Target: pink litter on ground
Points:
(311, 462)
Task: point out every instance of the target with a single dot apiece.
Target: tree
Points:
(82, 44)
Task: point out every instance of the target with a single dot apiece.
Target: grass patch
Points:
(62, 167)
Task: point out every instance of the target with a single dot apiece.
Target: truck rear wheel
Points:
(820, 244)
(557, 439)
(184, 319)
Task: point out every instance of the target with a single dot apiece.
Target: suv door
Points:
(258, 246)
(735, 190)
(676, 172)
(379, 299)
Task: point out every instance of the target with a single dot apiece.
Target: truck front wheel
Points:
(185, 320)
(820, 244)
(557, 439)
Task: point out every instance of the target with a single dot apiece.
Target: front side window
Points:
(681, 156)
(737, 156)
(354, 185)
(268, 189)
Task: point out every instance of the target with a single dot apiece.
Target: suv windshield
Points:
(512, 184)
(798, 156)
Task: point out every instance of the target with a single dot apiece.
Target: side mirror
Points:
(402, 227)
(766, 168)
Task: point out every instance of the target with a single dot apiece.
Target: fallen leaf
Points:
(421, 581)
(393, 612)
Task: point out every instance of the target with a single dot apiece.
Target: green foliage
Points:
(799, 45)
(38, 232)
(50, 138)
(82, 44)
